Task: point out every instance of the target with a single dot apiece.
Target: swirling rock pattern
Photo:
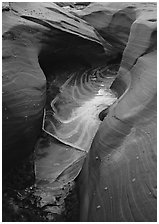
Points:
(28, 29)
(113, 20)
(34, 34)
(73, 118)
(23, 88)
(118, 180)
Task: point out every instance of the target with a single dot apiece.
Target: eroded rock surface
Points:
(29, 29)
(119, 177)
(43, 41)
(24, 86)
(113, 20)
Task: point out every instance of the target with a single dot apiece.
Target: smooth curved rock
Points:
(29, 29)
(42, 40)
(118, 180)
(23, 88)
(113, 20)
(51, 15)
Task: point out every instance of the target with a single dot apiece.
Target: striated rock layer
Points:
(118, 180)
(29, 29)
(113, 20)
(42, 41)
(23, 87)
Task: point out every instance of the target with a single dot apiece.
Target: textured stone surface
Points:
(40, 41)
(52, 16)
(113, 20)
(23, 87)
(29, 29)
(118, 181)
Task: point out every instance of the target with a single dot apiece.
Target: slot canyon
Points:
(79, 111)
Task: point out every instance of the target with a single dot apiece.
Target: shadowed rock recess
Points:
(79, 112)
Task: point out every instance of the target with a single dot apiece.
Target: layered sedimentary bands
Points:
(29, 30)
(92, 74)
(120, 172)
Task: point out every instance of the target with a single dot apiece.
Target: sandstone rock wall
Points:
(33, 36)
(118, 180)
(113, 20)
